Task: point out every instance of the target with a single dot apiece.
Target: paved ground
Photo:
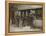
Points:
(13, 28)
(26, 28)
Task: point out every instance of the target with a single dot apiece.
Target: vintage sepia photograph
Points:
(25, 18)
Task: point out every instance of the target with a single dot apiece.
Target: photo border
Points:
(7, 26)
